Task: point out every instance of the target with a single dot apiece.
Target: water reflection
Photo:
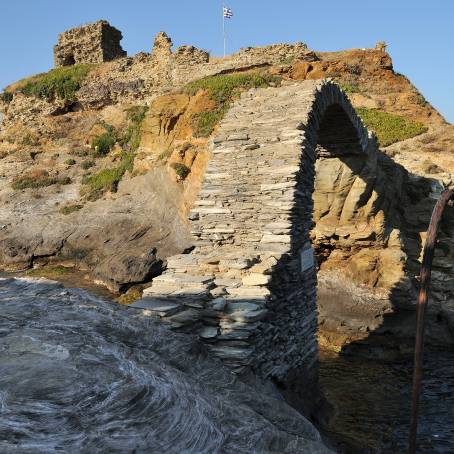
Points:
(372, 399)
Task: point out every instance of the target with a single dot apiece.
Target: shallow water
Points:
(372, 399)
(81, 375)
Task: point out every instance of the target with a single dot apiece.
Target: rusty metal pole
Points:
(426, 268)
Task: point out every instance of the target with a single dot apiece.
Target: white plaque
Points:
(307, 259)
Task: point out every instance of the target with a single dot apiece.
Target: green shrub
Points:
(390, 128)
(70, 162)
(287, 60)
(206, 121)
(80, 153)
(180, 169)
(103, 143)
(68, 209)
(132, 135)
(223, 89)
(60, 83)
(107, 179)
(349, 87)
(29, 140)
(87, 164)
(38, 180)
(136, 114)
(6, 97)
(430, 167)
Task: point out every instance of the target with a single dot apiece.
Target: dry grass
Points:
(38, 179)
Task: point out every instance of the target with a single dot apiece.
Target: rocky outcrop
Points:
(367, 73)
(122, 239)
(370, 214)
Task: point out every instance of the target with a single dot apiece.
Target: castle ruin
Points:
(93, 43)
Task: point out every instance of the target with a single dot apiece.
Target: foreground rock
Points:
(114, 382)
(122, 239)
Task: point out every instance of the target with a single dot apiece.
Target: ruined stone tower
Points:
(92, 43)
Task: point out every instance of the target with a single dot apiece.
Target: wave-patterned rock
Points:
(80, 374)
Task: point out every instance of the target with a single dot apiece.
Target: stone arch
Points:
(248, 288)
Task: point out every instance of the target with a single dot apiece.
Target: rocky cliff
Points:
(101, 164)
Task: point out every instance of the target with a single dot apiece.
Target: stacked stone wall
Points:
(93, 43)
(248, 288)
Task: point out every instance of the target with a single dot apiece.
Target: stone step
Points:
(160, 307)
(181, 260)
(161, 289)
(183, 318)
(248, 292)
(184, 280)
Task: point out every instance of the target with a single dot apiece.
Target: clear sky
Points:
(420, 33)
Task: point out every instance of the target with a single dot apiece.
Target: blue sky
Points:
(420, 33)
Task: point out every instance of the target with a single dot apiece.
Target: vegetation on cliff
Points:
(68, 209)
(103, 143)
(38, 179)
(107, 179)
(181, 170)
(222, 90)
(60, 83)
(6, 97)
(390, 128)
(131, 137)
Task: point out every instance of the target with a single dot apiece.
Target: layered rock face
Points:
(92, 43)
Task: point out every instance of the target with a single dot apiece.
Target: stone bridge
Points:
(248, 288)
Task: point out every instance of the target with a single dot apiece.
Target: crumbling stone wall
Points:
(249, 286)
(190, 55)
(93, 43)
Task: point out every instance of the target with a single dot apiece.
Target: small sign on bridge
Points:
(307, 257)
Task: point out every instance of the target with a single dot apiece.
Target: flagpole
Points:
(223, 28)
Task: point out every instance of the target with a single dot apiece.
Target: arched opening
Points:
(333, 161)
(337, 136)
(69, 60)
(344, 177)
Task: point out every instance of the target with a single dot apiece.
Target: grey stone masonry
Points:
(248, 288)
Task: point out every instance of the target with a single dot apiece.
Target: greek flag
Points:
(228, 13)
